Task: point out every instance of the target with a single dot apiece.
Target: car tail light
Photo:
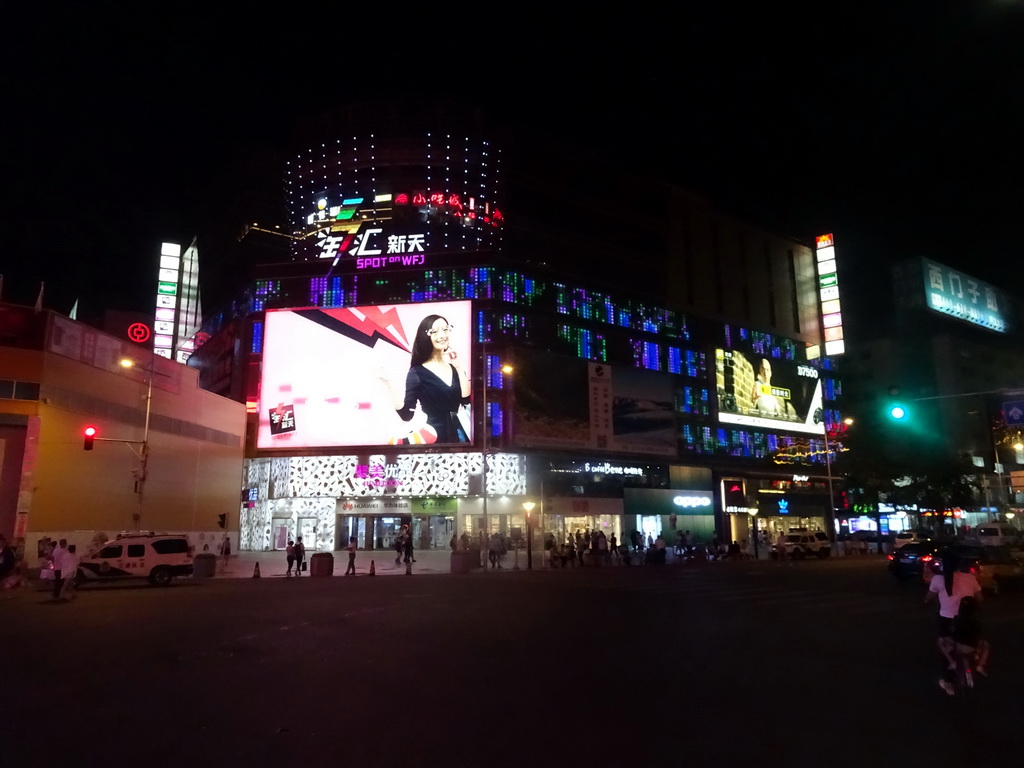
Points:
(890, 557)
(926, 558)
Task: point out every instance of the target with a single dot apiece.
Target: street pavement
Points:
(816, 663)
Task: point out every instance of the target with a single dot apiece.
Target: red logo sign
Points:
(138, 332)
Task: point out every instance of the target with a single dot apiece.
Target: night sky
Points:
(900, 130)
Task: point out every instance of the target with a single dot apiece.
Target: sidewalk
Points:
(273, 564)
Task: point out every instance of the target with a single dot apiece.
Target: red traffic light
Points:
(90, 434)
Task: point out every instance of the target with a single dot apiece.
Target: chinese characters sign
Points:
(952, 293)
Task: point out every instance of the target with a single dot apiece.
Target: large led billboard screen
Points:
(376, 375)
(758, 391)
(565, 402)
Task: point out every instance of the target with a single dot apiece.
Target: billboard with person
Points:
(373, 375)
(759, 391)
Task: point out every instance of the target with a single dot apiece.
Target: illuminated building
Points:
(58, 377)
(632, 399)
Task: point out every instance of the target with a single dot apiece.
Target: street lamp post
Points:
(753, 525)
(143, 452)
(528, 506)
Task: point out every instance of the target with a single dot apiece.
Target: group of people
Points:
(295, 553)
(585, 547)
(958, 593)
(61, 559)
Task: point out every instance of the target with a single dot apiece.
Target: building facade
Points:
(694, 399)
(166, 454)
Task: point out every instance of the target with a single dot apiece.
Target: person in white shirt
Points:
(950, 587)
(58, 556)
(71, 561)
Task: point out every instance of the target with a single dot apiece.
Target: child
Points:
(351, 570)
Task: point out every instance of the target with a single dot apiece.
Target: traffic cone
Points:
(373, 570)
(256, 571)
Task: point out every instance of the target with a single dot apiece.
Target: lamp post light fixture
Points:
(528, 507)
(752, 511)
(143, 452)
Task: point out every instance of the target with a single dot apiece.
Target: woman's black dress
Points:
(440, 401)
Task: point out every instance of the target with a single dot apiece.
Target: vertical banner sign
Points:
(600, 377)
(828, 291)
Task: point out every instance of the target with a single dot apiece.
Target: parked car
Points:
(911, 560)
(997, 535)
(158, 557)
(994, 567)
(801, 544)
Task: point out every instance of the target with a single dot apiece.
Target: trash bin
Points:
(462, 561)
(321, 564)
(204, 565)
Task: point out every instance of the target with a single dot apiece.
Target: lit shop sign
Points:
(828, 292)
(951, 293)
(613, 469)
(688, 501)
(757, 391)
(454, 205)
(371, 247)
(379, 475)
(167, 299)
(893, 508)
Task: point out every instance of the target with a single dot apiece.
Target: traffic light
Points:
(222, 520)
(897, 412)
(89, 433)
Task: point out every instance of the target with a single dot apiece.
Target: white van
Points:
(997, 535)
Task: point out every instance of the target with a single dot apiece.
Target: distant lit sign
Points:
(373, 247)
(689, 501)
(952, 293)
(138, 332)
(828, 293)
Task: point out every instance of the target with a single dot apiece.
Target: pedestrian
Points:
(454, 543)
(400, 544)
(289, 552)
(780, 547)
(71, 560)
(464, 541)
(7, 559)
(225, 549)
(351, 570)
(650, 541)
(494, 550)
(407, 550)
(300, 556)
(613, 547)
(570, 552)
(688, 542)
(58, 556)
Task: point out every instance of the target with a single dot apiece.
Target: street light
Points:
(752, 511)
(528, 506)
(143, 452)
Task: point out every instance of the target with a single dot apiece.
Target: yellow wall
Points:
(190, 482)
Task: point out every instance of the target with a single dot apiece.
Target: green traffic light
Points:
(897, 412)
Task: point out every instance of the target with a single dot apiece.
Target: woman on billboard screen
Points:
(435, 382)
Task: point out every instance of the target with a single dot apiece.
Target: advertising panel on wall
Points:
(374, 375)
(566, 402)
(757, 391)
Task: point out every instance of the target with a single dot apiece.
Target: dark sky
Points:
(901, 130)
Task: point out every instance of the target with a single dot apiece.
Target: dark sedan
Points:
(910, 560)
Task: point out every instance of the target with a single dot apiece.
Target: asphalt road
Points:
(819, 663)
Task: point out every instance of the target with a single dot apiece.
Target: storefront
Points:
(327, 499)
